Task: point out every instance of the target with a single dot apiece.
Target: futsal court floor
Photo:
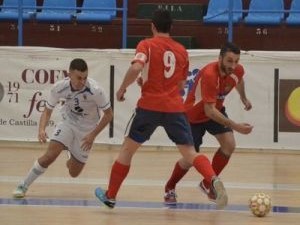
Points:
(56, 198)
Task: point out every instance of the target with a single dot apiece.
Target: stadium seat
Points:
(13, 13)
(217, 11)
(294, 17)
(94, 15)
(57, 15)
(255, 17)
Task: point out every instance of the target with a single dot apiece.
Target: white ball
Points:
(260, 204)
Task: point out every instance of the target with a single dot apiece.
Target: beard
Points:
(226, 70)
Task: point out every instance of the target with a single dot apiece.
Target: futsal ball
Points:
(260, 204)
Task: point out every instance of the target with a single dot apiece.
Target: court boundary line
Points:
(151, 182)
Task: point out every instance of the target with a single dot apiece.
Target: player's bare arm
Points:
(131, 75)
(213, 113)
(45, 117)
(88, 140)
(240, 87)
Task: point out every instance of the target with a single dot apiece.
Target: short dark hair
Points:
(230, 47)
(162, 20)
(78, 64)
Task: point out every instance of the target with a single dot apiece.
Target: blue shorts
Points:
(212, 127)
(144, 122)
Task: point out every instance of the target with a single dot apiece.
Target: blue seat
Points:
(265, 18)
(13, 13)
(294, 17)
(93, 15)
(57, 15)
(217, 11)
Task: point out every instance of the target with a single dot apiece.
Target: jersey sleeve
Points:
(239, 71)
(141, 53)
(53, 98)
(101, 99)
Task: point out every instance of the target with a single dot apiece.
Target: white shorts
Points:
(71, 137)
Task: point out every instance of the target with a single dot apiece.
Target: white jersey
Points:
(80, 108)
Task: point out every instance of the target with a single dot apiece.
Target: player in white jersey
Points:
(82, 101)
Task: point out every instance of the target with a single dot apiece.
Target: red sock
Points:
(203, 166)
(117, 175)
(219, 162)
(177, 175)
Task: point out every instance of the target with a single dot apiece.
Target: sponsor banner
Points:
(289, 105)
(27, 74)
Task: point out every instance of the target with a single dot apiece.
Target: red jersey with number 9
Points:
(165, 66)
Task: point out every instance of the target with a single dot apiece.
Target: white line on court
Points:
(149, 182)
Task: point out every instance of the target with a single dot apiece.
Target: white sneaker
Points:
(221, 196)
(20, 191)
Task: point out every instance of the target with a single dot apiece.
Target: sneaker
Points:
(20, 191)
(207, 191)
(101, 195)
(170, 197)
(219, 190)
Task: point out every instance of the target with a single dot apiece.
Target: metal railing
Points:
(20, 8)
(231, 11)
(124, 11)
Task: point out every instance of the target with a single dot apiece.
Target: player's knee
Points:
(46, 161)
(232, 147)
(228, 149)
(74, 173)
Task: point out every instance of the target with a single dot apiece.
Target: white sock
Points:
(33, 174)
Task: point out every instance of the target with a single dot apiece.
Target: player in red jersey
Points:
(206, 112)
(164, 66)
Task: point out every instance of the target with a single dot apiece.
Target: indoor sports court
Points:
(55, 198)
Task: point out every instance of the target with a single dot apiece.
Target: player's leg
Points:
(141, 127)
(38, 168)
(75, 166)
(118, 173)
(180, 169)
(179, 131)
(60, 139)
(77, 156)
(182, 166)
(225, 137)
(219, 161)
(227, 142)
(203, 166)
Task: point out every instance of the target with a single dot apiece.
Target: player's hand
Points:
(247, 104)
(120, 95)
(243, 128)
(42, 136)
(87, 142)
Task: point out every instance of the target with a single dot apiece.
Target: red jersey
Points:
(165, 66)
(210, 87)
